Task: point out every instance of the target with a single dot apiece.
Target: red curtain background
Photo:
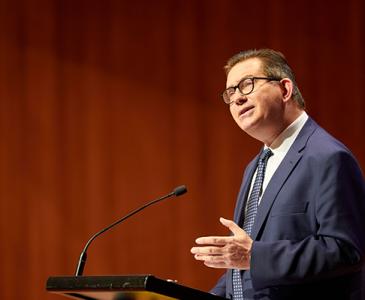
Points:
(105, 105)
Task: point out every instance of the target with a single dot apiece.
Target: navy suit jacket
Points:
(309, 232)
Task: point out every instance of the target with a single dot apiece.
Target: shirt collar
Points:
(285, 139)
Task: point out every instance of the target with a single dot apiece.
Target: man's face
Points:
(260, 113)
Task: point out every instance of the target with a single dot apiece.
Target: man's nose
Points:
(238, 98)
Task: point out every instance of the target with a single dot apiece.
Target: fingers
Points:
(232, 226)
(211, 256)
(212, 261)
(225, 251)
(217, 265)
(207, 250)
(213, 240)
(222, 240)
(221, 258)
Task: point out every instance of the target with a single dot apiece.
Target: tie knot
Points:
(265, 154)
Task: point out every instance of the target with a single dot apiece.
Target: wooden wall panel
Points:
(105, 105)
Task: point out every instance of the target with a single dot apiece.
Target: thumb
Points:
(232, 226)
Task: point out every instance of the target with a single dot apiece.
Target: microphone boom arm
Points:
(83, 256)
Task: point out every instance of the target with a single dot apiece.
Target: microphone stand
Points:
(83, 256)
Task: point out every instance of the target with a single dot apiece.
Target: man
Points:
(299, 222)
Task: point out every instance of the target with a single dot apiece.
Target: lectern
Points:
(140, 287)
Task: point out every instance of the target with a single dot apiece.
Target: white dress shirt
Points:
(280, 148)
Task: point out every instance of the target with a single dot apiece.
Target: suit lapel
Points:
(281, 174)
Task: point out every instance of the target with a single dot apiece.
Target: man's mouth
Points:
(245, 110)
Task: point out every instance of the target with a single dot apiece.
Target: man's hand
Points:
(228, 252)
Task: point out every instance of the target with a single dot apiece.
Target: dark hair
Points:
(274, 64)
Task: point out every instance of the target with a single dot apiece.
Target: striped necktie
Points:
(251, 211)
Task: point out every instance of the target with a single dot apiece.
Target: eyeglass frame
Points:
(252, 78)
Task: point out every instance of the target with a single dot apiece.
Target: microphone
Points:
(178, 191)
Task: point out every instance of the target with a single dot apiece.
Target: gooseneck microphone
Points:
(178, 191)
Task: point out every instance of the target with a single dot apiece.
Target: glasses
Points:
(245, 87)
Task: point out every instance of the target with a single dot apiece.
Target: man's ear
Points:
(286, 88)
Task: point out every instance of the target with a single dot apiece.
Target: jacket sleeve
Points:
(336, 244)
(220, 287)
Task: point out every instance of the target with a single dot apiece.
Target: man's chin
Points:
(247, 125)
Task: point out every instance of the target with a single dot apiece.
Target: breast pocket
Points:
(290, 209)
(290, 222)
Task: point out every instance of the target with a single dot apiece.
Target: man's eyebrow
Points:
(244, 77)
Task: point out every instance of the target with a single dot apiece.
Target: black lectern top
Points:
(129, 287)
